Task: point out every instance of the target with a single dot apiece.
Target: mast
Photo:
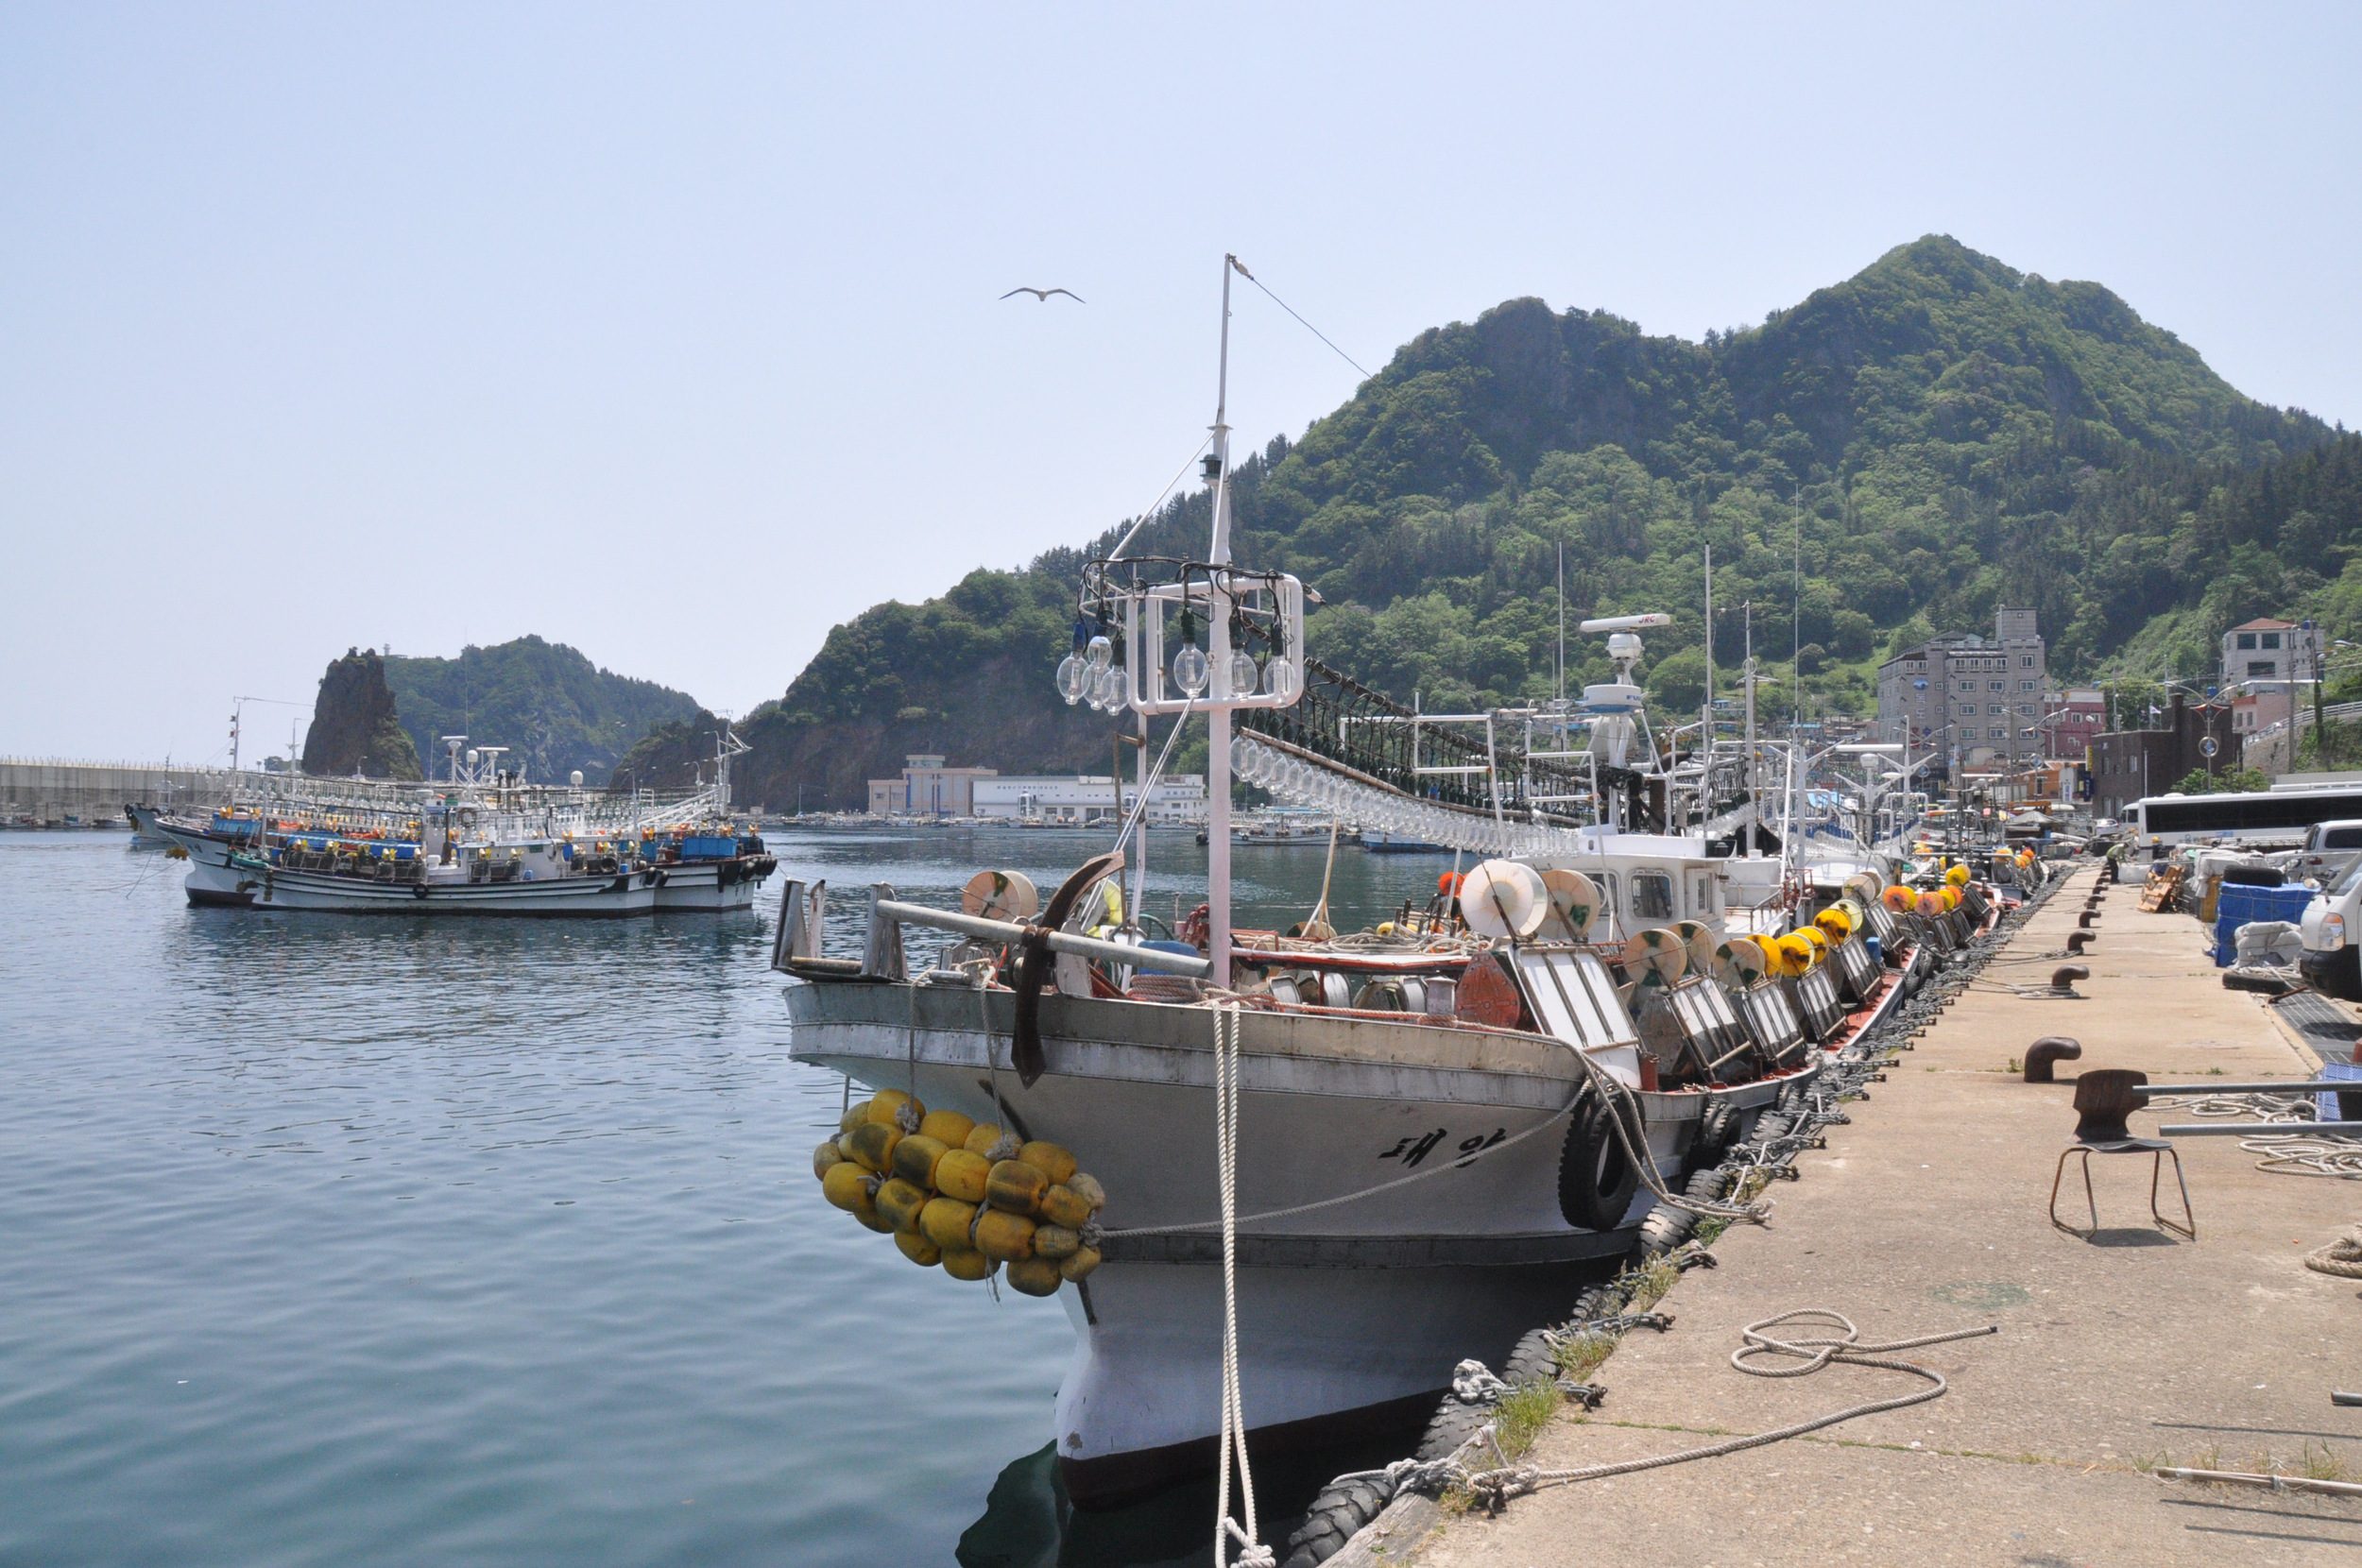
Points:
(1218, 646)
(1748, 670)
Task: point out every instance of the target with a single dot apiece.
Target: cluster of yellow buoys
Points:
(962, 1194)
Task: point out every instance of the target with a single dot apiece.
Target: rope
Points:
(2341, 1257)
(2295, 1153)
(1252, 1553)
(1496, 1487)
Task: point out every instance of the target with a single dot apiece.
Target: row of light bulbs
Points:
(1092, 676)
(1301, 783)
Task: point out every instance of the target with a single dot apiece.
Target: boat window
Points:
(1652, 896)
(1705, 906)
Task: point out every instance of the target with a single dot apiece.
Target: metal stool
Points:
(2103, 1099)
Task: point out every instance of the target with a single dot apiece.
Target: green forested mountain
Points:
(553, 707)
(1895, 455)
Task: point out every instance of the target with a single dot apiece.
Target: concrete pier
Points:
(2116, 1354)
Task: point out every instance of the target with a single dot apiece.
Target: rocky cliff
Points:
(354, 728)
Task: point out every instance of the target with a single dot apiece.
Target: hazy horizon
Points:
(678, 339)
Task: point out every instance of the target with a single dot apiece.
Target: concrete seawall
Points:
(49, 790)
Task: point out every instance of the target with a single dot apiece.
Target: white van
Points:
(2331, 926)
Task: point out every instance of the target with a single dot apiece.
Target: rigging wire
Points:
(1149, 514)
(1300, 321)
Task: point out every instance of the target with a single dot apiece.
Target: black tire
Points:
(1596, 1177)
(1717, 1130)
(1709, 1187)
(1343, 1507)
(1769, 1126)
(1453, 1424)
(1664, 1229)
(1534, 1360)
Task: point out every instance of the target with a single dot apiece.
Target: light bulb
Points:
(1115, 687)
(1100, 651)
(1244, 675)
(1192, 669)
(1070, 672)
(1242, 759)
(1280, 678)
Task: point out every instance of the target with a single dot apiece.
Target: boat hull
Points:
(1354, 1304)
(710, 887)
(219, 876)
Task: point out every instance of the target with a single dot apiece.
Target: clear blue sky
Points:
(672, 333)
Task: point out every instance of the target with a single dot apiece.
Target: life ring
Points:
(1595, 1177)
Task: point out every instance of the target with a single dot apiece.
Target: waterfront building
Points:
(927, 789)
(1082, 797)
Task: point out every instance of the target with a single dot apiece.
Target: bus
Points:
(2262, 816)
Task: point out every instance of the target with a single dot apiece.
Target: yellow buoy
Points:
(919, 1249)
(887, 1106)
(1063, 1205)
(1049, 1158)
(871, 1144)
(1079, 1263)
(965, 1263)
(1086, 1187)
(898, 1202)
(1034, 1276)
(867, 1214)
(825, 1156)
(1014, 1187)
(948, 1127)
(1004, 1236)
(962, 1175)
(945, 1222)
(980, 1138)
(915, 1159)
(847, 1186)
(854, 1116)
(1056, 1241)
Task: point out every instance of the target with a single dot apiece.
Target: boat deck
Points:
(1929, 1214)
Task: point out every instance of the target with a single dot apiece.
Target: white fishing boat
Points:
(1331, 1167)
(474, 844)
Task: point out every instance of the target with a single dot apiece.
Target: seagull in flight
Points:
(1042, 294)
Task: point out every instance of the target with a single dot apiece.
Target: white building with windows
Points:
(2264, 652)
(1979, 698)
(1087, 797)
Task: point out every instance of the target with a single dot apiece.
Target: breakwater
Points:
(55, 792)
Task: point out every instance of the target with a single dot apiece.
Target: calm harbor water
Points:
(366, 1240)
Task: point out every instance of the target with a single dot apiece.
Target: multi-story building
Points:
(1974, 698)
(2070, 720)
(2265, 652)
(927, 789)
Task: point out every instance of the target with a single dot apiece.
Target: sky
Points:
(674, 334)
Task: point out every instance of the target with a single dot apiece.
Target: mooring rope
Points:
(1252, 1552)
(1497, 1486)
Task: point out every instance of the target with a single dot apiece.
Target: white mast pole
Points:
(1218, 646)
(1754, 811)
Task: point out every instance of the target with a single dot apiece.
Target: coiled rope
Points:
(1494, 1487)
(2341, 1257)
